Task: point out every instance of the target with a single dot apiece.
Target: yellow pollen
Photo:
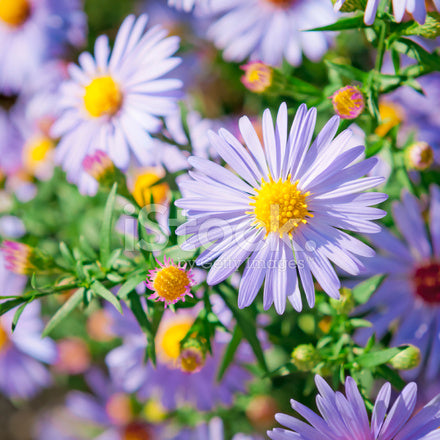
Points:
(102, 97)
(14, 12)
(36, 151)
(170, 341)
(280, 206)
(145, 188)
(171, 283)
(3, 338)
(391, 115)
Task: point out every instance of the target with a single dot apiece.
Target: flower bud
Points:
(430, 29)
(261, 411)
(407, 359)
(23, 259)
(419, 156)
(99, 166)
(257, 76)
(345, 304)
(348, 102)
(349, 5)
(305, 357)
(192, 356)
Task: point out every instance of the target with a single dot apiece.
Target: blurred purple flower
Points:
(37, 30)
(22, 374)
(271, 30)
(167, 381)
(409, 299)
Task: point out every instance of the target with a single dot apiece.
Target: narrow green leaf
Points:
(376, 358)
(99, 289)
(71, 304)
(133, 301)
(229, 354)
(18, 313)
(356, 22)
(131, 284)
(391, 376)
(348, 71)
(246, 322)
(358, 323)
(9, 305)
(363, 291)
(67, 255)
(107, 224)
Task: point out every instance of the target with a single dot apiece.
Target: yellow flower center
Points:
(36, 151)
(14, 12)
(154, 412)
(348, 102)
(280, 206)
(391, 115)
(102, 97)
(171, 283)
(144, 189)
(169, 342)
(3, 338)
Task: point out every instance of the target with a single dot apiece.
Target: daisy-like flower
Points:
(184, 375)
(170, 282)
(410, 296)
(37, 30)
(285, 208)
(416, 8)
(22, 352)
(114, 101)
(271, 30)
(346, 418)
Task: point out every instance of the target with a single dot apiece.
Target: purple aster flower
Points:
(183, 375)
(22, 353)
(285, 208)
(410, 296)
(345, 417)
(110, 409)
(37, 30)
(416, 8)
(114, 101)
(271, 30)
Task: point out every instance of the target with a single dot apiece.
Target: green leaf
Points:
(363, 291)
(356, 22)
(131, 284)
(133, 301)
(391, 376)
(9, 305)
(67, 254)
(358, 323)
(376, 358)
(18, 313)
(245, 321)
(107, 224)
(71, 304)
(103, 292)
(347, 71)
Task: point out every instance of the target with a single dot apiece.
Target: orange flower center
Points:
(14, 12)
